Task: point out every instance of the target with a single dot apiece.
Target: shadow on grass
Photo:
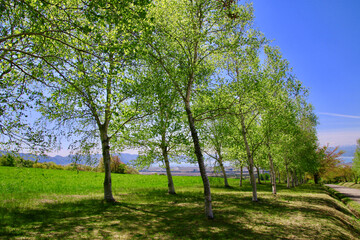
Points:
(164, 216)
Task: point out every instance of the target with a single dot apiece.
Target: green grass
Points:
(57, 204)
(349, 184)
(351, 204)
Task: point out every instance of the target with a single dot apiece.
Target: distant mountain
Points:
(348, 156)
(349, 150)
(64, 160)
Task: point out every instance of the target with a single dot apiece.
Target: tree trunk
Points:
(316, 178)
(106, 158)
(272, 174)
(258, 175)
(171, 187)
(208, 206)
(292, 179)
(250, 160)
(279, 177)
(287, 176)
(241, 175)
(223, 171)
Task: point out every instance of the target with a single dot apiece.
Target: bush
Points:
(130, 170)
(264, 176)
(8, 160)
(24, 163)
(48, 165)
(117, 166)
(78, 167)
(39, 165)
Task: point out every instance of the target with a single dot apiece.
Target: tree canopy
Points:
(170, 78)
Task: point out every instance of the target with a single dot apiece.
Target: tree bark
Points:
(287, 176)
(208, 205)
(108, 196)
(223, 171)
(171, 187)
(258, 175)
(272, 174)
(279, 176)
(250, 159)
(241, 175)
(292, 179)
(316, 178)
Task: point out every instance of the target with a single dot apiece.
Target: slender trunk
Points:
(258, 175)
(171, 187)
(106, 158)
(241, 175)
(164, 148)
(250, 179)
(223, 171)
(296, 178)
(292, 179)
(316, 178)
(287, 176)
(250, 160)
(105, 140)
(208, 206)
(272, 174)
(279, 176)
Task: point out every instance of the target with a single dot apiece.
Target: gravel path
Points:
(352, 193)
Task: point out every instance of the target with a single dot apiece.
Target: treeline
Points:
(172, 79)
(117, 166)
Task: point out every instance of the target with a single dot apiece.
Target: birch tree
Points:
(189, 36)
(93, 94)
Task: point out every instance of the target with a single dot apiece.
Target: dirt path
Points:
(352, 193)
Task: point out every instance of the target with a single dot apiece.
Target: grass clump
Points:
(349, 184)
(39, 203)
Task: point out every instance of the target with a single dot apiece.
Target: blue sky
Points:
(321, 40)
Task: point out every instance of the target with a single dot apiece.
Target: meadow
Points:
(58, 204)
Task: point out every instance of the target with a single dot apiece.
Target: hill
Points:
(65, 160)
(349, 150)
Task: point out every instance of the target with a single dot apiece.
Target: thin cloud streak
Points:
(339, 115)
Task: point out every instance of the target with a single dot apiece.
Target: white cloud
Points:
(339, 137)
(339, 115)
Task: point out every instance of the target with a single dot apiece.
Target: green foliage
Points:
(13, 160)
(117, 166)
(25, 163)
(8, 160)
(356, 159)
(265, 176)
(131, 74)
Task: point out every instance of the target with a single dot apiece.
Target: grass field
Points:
(351, 204)
(58, 204)
(350, 185)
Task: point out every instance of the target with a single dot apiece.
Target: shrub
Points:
(265, 176)
(39, 165)
(117, 166)
(24, 163)
(8, 160)
(130, 170)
